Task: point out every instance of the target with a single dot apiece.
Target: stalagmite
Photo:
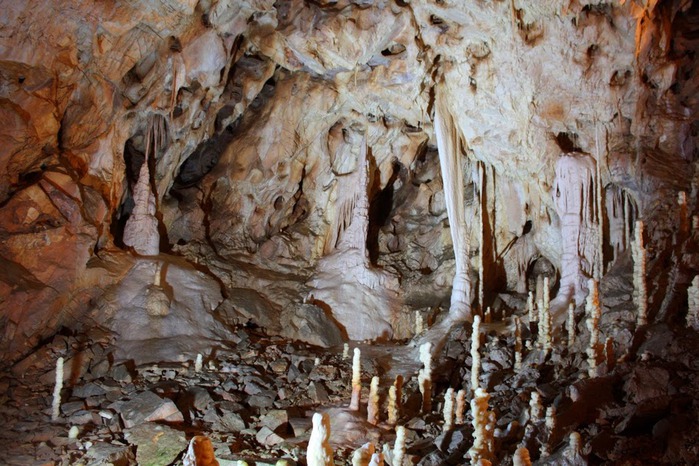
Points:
(345, 351)
(518, 344)
(425, 376)
(640, 293)
(419, 323)
(593, 311)
(460, 407)
(448, 146)
(487, 317)
(521, 457)
(482, 427)
(399, 447)
(141, 229)
(373, 403)
(356, 380)
(570, 325)
(376, 459)
(198, 363)
(58, 386)
(319, 452)
(693, 304)
(573, 452)
(544, 336)
(531, 309)
(547, 294)
(448, 411)
(392, 408)
(535, 408)
(550, 424)
(362, 456)
(574, 198)
(475, 355)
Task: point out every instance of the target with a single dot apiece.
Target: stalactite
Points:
(481, 238)
(599, 267)
(452, 178)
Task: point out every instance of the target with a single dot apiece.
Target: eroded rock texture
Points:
(265, 108)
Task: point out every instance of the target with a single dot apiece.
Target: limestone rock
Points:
(156, 444)
(147, 407)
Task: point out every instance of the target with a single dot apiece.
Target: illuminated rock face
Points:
(263, 104)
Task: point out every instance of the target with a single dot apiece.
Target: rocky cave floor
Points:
(255, 399)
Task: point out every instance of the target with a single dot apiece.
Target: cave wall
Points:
(266, 106)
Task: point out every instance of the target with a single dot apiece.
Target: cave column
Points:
(452, 178)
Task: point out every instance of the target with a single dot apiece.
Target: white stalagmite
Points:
(475, 355)
(392, 408)
(570, 325)
(448, 146)
(376, 459)
(56, 403)
(573, 452)
(574, 198)
(640, 293)
(399, 447)
(521, 457)
(551, 418)
(448, 412)
(373, 403)
(531, 309)
(693, 304)
(419, 323)
(593, 311)
(141, 229)
(362, 455)
(345, 351)
(356, 380)
(518, 344)
(547, 294)
(198, 363)
(460, 407)
(424, 377)
(319, 452)
(483, 427)
(535, 408)
(544, 337)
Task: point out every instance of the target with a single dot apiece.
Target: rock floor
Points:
(255, 401)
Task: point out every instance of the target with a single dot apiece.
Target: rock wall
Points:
(265, 106)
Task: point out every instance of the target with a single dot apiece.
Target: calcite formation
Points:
(184, 178)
